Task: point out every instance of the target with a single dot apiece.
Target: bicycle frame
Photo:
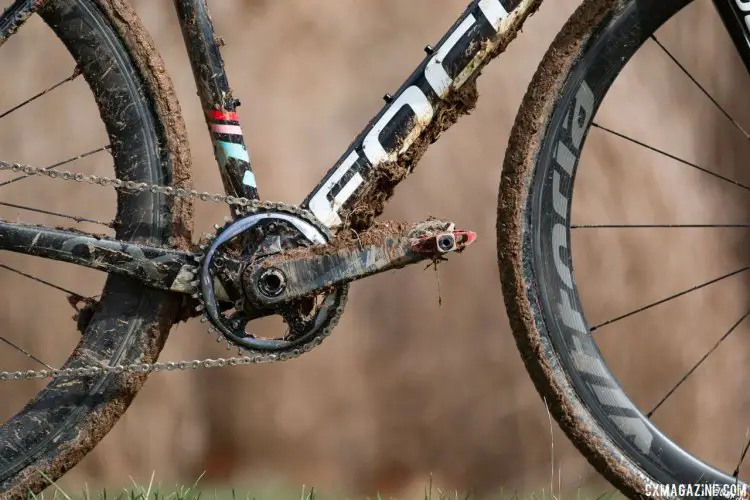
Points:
(355, 189)
(429, 102)
(735, 14)
(414, 116)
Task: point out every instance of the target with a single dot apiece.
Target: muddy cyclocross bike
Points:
(297, 261)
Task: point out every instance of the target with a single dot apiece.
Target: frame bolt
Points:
(429, 49)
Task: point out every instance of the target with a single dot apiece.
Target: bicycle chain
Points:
(245, 204)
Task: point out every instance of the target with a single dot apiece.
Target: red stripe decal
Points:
(223, 115)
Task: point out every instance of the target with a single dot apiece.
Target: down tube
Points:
(409, 117)
(735, 14)
(219, 106)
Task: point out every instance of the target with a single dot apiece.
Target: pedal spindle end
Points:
(453, 241)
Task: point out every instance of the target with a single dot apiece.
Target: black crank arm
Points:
(292, 276)
(161, 268)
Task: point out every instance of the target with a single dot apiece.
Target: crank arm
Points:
(161, 268)
(299, 274)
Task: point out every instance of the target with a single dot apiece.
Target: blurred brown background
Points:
(405, 388)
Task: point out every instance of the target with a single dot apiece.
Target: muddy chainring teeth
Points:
(235, 324)
(243, 207)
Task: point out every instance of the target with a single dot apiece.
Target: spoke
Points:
(669, 155)
(57, 214)
(40, 280)
(671, 297)
(642, 226)
(700, 362)
(701, 88)
(736, 472)
(76, 73)
(28, 354)
(60, 164)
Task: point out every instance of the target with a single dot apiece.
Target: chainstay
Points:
(246, 205)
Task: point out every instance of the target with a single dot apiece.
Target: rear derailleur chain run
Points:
(272, 259)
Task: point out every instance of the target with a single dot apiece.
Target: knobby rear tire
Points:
(149, 144)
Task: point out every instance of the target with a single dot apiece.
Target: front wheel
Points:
(556, 331)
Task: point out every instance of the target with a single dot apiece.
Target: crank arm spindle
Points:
(299, 274)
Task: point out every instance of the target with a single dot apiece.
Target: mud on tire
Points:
(147, 134)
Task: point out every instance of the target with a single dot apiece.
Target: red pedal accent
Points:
(465, 238)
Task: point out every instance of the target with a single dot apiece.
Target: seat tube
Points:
(219, 105)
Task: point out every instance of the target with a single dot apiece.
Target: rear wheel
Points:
(144, 133)
(550, 320)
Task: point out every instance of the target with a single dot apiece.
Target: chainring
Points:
(263, 231)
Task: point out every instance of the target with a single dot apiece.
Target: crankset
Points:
(243, 244)
(284, 262)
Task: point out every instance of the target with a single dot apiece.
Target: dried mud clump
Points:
(460, 101)
(386, 177)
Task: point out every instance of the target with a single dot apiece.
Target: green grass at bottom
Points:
(279, 492)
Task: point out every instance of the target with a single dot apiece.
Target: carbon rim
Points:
(550, 263)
